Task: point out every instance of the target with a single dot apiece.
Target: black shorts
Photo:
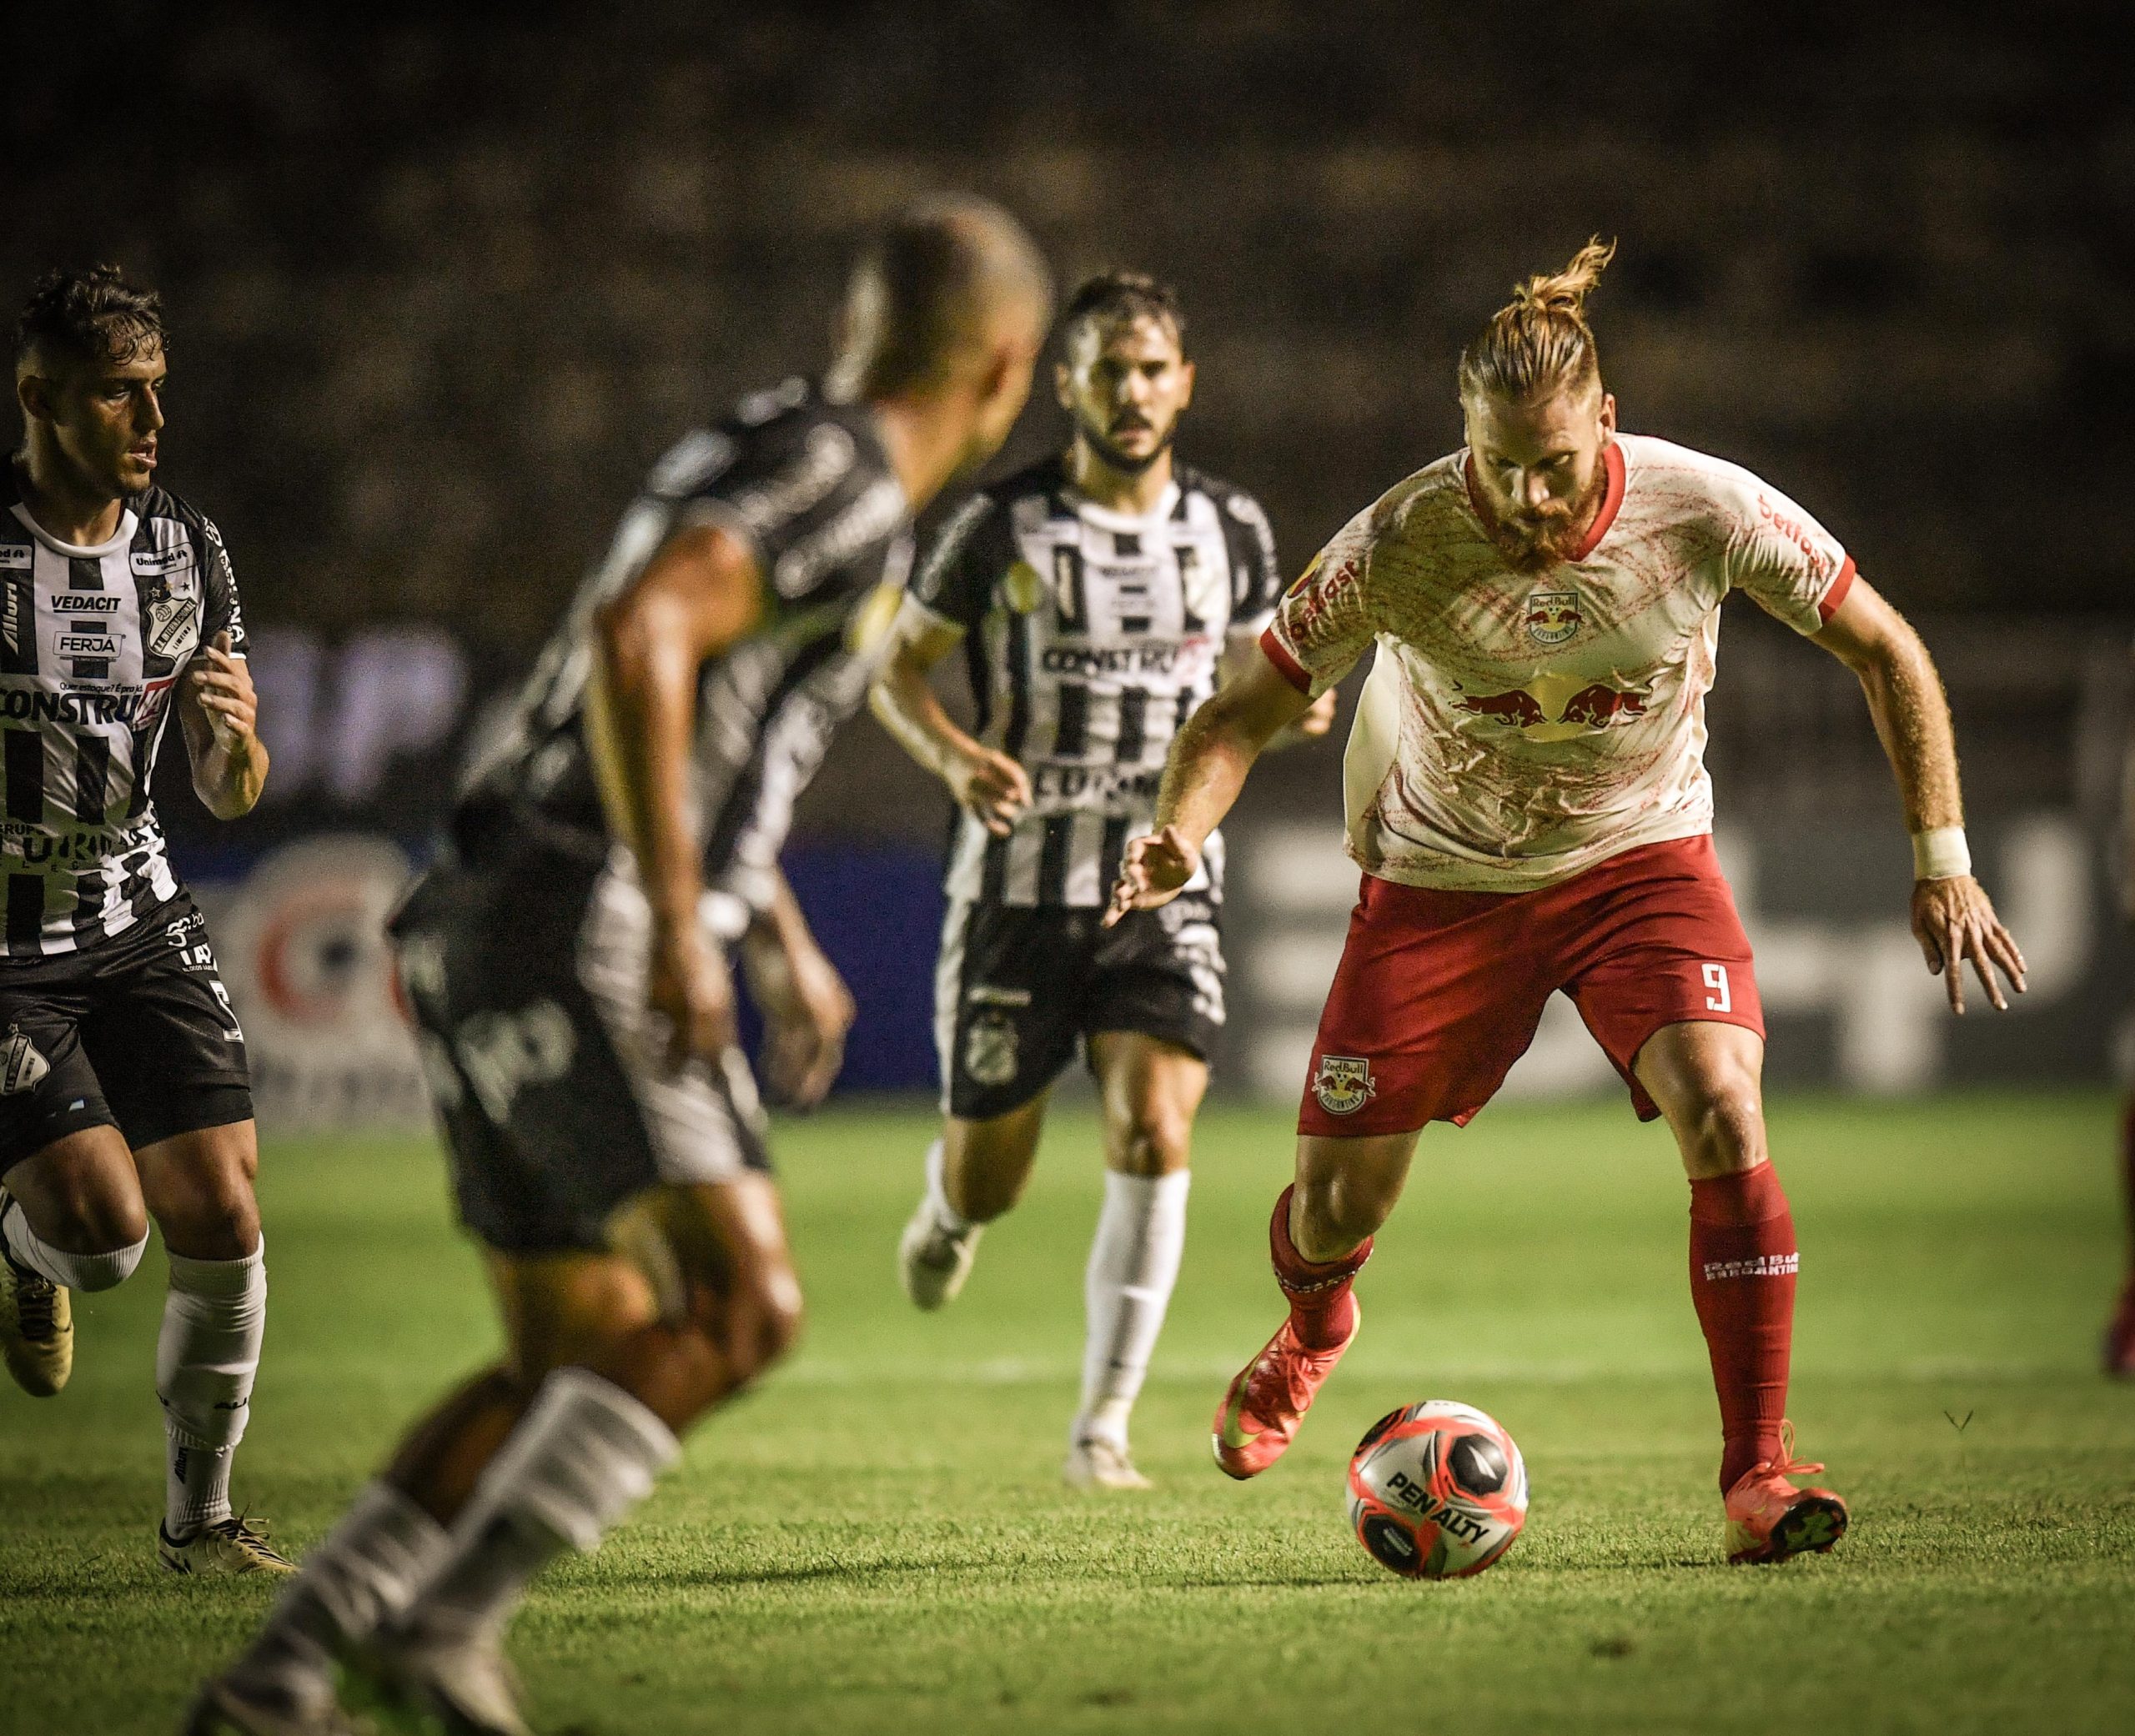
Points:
(1018, 988)
(135, 1033)
(527, 981)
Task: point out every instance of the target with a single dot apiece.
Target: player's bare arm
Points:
(994, 786)
(1952, 917)
(1318, 717)
(805, 1003)
(219, 709)
(1203, 777)
(699, 595)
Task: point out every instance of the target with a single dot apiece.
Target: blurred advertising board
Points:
(366, 736)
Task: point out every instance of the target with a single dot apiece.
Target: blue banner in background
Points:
(299, 933)
(876, 910)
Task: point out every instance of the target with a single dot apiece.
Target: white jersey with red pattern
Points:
(1517, 728)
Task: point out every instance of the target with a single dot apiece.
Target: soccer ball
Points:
(1437, 1491)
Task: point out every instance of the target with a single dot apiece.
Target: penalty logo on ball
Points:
(1437, 1491)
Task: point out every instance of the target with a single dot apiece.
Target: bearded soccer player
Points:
(1526, 798)
(1095, 594)
(123, 1090)
(566, 961)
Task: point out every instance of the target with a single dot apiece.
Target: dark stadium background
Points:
(442, 288)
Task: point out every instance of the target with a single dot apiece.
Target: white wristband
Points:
(1941, 854)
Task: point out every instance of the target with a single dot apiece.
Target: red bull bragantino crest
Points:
(1343, 1084)
(1552, 616)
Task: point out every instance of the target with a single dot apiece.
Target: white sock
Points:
(952, 1220)
(86, 1272)
(1133, 1264)
(584, 1453)
(367, 1571)
(206, 1354)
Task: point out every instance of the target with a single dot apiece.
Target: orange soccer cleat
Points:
(1769, 1518)
(1263, 1407)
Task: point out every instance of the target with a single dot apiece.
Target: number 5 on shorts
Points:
(1721, 999)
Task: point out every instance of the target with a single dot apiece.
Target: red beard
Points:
(1534, 544)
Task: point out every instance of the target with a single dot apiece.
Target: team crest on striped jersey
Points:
(174, 626)
(21, 1064)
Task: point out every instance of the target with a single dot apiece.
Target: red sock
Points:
(1743, 1262)
(1323, 1311)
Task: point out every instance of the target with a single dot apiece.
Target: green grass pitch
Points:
(877, 1540)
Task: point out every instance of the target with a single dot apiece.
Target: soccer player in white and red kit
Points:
(1527, 797)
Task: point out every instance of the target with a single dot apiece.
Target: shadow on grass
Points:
(1295, 1583)
(857, 1572)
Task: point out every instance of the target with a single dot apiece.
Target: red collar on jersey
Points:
(1612, 497)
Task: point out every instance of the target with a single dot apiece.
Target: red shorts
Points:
(1439, 993)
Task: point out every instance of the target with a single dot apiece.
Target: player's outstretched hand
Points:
(808, 1010)
(691, 988)
(994, 787)
(1953, 919)
(1151, 873)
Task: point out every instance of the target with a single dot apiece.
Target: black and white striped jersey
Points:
(1091, 637)
(92, 644)
(807, 485)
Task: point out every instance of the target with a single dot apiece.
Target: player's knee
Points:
(212, 1214)
(751, 1326)
(1338, 1212)
(774, 1311)
(780, 1327)
(1727, 1130)
(84, 1217)
(1155, 1141)
(985, 1174)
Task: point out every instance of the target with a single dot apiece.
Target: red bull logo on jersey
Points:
(1520, 708)
(1597, 705)
(1343, 1084)
(1553, 617)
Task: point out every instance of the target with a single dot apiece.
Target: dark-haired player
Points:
(1528, 803)
(1096, 595)
(567, 962)
(123, 1090)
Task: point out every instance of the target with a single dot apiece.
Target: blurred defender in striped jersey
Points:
(567, 962)
(1097, 596)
